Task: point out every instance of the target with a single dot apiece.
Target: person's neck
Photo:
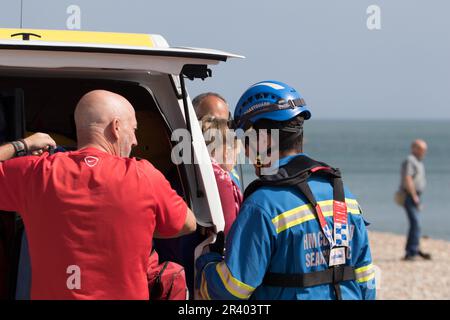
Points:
(94, 138)
(285, 154)
(416, 156)
(99, 146)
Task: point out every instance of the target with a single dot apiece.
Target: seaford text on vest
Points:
(316, 240)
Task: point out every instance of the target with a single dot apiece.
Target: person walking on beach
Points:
(413, 183)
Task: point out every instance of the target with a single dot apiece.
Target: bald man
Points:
(91, 214)
(211, 104)
(413, 182)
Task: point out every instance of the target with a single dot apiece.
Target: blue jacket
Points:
(276, 231)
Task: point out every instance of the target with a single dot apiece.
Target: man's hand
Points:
(219, 245)
(416, 200)
(39, 142)
(411, 189)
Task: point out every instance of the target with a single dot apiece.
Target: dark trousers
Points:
(412, 243)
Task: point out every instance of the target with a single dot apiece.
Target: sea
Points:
(369, 154)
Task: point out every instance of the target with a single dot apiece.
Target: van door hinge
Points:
(196, 71)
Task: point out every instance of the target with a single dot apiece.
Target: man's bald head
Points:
(211, 104)
(419, 148)
(106, 119)
(100, 107)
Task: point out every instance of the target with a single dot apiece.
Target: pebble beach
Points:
(410, 280)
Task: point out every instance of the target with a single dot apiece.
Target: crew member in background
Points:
(181, 250)
(223, 158)
(211, 104)
(90, 214)
(413, 182)
(299, 234)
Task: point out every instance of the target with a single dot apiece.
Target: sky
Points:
(323, 48)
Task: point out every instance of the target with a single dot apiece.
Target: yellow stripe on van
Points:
(69, 36)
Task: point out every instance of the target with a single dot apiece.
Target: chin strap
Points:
(258, 161)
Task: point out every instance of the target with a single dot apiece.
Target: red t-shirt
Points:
(90, 219)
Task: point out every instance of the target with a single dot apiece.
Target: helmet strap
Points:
(258, 161)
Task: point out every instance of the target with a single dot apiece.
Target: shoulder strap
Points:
(293, 173)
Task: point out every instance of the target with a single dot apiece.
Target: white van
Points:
(43, 73)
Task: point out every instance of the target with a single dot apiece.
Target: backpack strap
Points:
(336, 273)
(304, 280)
(296, 170)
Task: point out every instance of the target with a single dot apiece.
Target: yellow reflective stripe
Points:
(233, 285)
(305, 213)
(367, 278)
(365, 273)
(352, 206)
(69, 36)
(204, 289)
(362, 269)
(286, 214)
(295, 222)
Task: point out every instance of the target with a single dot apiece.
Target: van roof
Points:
(109, 42)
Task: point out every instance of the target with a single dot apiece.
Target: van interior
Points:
(33, 104)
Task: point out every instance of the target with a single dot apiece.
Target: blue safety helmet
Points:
(271, 100)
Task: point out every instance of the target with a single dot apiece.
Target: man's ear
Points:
(115, 127)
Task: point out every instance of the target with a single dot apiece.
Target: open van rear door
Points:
(32, 51)
(26, 48)
(130, 57)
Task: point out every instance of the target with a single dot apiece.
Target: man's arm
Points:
(248, 252)
(13, 180)
(190, 225)
(411, 189)
(408, 172)
(35, 144)
(172, 215)
(364, 268)
(7, 152)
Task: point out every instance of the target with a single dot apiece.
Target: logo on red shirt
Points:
(91, 161)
